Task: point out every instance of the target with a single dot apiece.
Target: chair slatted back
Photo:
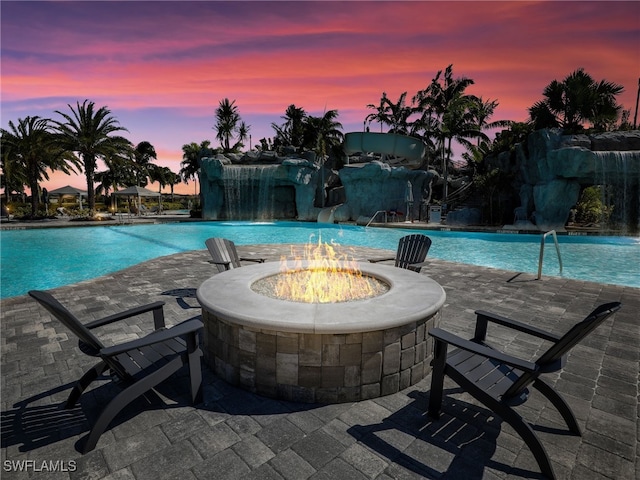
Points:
(412, 249)
(70, 321)
(567, 342)
(223, 250)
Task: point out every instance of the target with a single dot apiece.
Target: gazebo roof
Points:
(68, 190)
(136, 190)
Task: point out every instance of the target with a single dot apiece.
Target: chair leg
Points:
(561, 405)
(513, 418)
(530, 438)
(437, 379)
(125, 397)
(195, 368)
(89, 376)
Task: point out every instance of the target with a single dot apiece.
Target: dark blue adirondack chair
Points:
(139, 365)
(501, 381)
(224, 254)
(411, 253)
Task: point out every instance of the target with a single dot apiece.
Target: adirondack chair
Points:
(225, 255)
(139, 365)
(412, 250)
(501, 381)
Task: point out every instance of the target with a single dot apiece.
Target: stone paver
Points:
(236, 434)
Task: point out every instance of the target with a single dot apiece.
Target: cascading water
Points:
(618, 174)
(249, 191)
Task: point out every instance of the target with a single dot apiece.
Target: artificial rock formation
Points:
(295, 187)
(376, 186)
(551, 169)
(246, 192)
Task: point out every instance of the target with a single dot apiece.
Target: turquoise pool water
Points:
(49, 258)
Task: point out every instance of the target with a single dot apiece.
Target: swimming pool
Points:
(49, 258)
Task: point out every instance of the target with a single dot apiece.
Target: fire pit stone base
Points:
(322, 368)
(320, 352)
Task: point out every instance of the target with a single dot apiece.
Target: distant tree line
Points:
(34, 146)
(440, 114)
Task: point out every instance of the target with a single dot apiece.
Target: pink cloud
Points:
(163, 66)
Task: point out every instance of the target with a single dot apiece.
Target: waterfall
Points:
(266, 193)
(618, 174)
(249, 191)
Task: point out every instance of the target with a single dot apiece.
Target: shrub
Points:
(590, 208)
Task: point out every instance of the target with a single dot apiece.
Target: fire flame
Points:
(321, 275)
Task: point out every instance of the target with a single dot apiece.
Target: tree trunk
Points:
(445, 176)
(34, 197)
(89, 168)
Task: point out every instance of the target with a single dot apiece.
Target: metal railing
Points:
(375, 215)
(458, 195)
(542, 242)
(123, 218)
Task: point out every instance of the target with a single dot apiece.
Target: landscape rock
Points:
(551, 169)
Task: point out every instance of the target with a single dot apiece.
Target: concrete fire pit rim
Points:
(411, 297)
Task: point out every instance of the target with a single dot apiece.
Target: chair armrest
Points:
(226, 264)
(157, 336)
(483, 350)
(257, 260)
(376, 260)
(420, 264)
(482, 317)
(132, 312)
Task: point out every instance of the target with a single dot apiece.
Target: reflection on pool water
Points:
(49, 258)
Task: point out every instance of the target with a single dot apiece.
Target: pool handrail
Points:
(542, 242)
(375, 215)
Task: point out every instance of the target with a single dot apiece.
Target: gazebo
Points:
(136, 191)
(68, 191)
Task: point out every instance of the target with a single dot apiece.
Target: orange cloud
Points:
(162, 67)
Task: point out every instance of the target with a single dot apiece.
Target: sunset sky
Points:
(161, 67)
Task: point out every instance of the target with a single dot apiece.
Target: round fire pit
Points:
(320, 352)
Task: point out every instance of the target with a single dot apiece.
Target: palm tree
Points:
(458, 124)
(506, 140)
(475, 155)
(89, 133)
(322, 134)
(30, 150)
(243, 134)
(605, 108)
(576, 100)
(437, 97)
(446, 114)
(161, 175)
(13, 176)
(482, 110)
(399, 114)
(396, 115)
(227, 119)
(381, 112)
(143, 154)
(121, 171)
(192, 155)
(292, 131)
(172, 179)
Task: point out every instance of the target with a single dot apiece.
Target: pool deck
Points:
(236, 434)
(62, 222)
(170, 217)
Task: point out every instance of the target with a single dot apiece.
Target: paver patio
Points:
(236, 434)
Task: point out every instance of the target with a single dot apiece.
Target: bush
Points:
(173, 206)
(590, 208)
